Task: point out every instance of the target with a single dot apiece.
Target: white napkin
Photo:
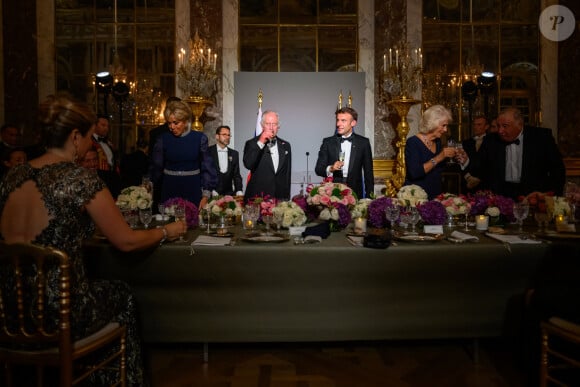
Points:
(355, 240)
(463, 236)
(206, 240)
(512, 239)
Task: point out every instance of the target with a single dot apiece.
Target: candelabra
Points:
(402, 77)
(197, 77)
(403, 71)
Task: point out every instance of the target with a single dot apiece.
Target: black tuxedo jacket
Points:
(264, 180)
(474, 161)
(360, 166)
(542, 166)
(231, 181)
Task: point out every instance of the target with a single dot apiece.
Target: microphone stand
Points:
(307, 170)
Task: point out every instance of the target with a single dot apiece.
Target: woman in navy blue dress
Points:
(181, 163)
(424, 154)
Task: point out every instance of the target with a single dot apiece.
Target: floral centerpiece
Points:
(376, 211)
(411, 195)
(266, 203)
(498, 207)
(226, 206)
(454, 204)
(191, 210)
(292, 214)
(134, 198)
(558, 205)
(432, 212)
(334, 201)
(360, 209)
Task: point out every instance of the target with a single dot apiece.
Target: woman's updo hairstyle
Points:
(59, 115)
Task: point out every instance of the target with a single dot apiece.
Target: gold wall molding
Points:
(572, 166)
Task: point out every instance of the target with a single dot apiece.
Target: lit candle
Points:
(214, 61)
(209, 56)
(390, 57)
(481, 222)
(397, 58)
(560, 219)
(360, 225)
(201, 55)
(384, 62)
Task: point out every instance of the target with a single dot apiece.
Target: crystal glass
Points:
(521, 211)
(392, 213)
(413, 217)
(341, 156)
(267, 219)
(179, 214)
(161, 209)
(542, 218)
(278, 220)
(146, 215)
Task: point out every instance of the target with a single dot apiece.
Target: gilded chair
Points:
(560, 353)
(30, 337)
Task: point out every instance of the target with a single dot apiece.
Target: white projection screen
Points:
(306, 103)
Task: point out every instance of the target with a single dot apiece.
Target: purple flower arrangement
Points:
(481, 201)
(376, 211)
(344, 216)
(191, 211)
(432, 212)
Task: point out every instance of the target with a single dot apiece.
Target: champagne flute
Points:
(414, 217)
(341, 156)
(179, 214)
(451, 144)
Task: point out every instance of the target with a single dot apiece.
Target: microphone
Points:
(307, 171)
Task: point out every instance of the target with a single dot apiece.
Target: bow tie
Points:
(516, 141)
(223, 150)
(272, 142)
(101, 139)
(343, 139)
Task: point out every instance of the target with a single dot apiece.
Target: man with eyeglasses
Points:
(269, 160)
(227, 163)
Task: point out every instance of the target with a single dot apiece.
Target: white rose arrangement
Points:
(492, 211)
(293, 215)
(557, 205)
(411, 195)
(134, 198)
(361, 208)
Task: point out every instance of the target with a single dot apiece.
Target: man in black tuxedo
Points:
(227, 163)
(519, 160)
(269, 160)
(471, 146)
(356, 170)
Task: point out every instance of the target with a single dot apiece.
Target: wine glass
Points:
(278, 220)
(451, 144)
(392, 213)
(267, 219)
(146, 215)
(413, 217)
(179, 214)
(521, 211)
(161, 209)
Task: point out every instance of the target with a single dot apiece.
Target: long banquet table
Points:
(332, 291)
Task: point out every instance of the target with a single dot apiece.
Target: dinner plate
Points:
(226, 235)
(274, 238)
(421, 238)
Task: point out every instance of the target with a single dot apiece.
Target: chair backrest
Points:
(26, 271)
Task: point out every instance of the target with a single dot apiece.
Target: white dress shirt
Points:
(222, 158)
(513, 160)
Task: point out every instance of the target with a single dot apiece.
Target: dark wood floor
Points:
(368, 364)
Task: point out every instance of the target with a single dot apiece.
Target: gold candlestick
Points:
(402, 105)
